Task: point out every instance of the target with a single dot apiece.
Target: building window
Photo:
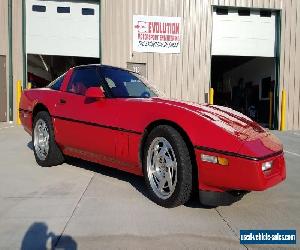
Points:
(87, 11)
(39, 8)
(63, 9)
(265, 13)
(222, 11)
(244, 12)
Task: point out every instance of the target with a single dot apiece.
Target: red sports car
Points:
(112, 116)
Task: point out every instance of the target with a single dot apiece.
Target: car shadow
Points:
(135, 181)
(30, 145)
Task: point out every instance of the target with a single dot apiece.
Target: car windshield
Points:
(125, 84)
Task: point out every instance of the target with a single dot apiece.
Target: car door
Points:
(124, 86)
(83, 126)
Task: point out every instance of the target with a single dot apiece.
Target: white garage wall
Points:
(236, 35)
(65, 34)
(253, 71)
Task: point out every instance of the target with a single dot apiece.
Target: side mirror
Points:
(95, 93)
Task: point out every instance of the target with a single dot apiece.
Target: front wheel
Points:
(46, 151)
(167, 167)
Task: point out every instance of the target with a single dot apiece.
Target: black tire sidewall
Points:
(43, 115)
(183, 165)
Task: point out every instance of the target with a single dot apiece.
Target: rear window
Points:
(56, 84)
(82, 79)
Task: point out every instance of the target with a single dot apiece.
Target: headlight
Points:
(214, 159)
(267, 166)
(209, 158)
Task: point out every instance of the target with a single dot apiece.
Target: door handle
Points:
(62, 101)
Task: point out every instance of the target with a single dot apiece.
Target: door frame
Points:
(3, 89)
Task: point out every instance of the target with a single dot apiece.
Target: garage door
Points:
(243, 32)
(66, 28)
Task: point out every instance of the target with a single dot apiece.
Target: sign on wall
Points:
(156, 34)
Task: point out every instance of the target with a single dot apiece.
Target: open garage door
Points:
(62, 28)
(243, 32)
(244, 61)
(60, 35)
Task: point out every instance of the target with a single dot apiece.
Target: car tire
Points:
(46, 151)
(167, 167)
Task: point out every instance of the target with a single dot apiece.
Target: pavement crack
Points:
(229, 226)
(73, 212)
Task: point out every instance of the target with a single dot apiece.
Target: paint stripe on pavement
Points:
(291, 153)
(7, 127)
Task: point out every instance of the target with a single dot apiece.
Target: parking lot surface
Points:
(81, 205)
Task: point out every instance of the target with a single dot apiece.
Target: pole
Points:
(211, 96)
(18, 96)
(283, 110)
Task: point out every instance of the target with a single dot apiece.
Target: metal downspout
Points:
(100, 34)
(24, 44)
(10, 63)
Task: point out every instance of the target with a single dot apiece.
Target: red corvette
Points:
(113, 117)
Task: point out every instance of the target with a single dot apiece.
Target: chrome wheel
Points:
(162, 168)
(41, 139)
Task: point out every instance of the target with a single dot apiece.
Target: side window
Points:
(124, 84)
(82, 79)
(56, 84)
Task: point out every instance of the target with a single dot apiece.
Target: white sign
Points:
(156, 34)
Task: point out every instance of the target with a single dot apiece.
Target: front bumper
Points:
(239, 174)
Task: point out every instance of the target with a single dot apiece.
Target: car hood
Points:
(225, 118)
(254, 140)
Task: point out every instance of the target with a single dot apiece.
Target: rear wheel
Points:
(46, 151)
(167, 167)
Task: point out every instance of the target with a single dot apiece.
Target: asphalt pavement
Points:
(81, 205)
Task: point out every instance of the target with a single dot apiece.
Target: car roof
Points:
(103, 66)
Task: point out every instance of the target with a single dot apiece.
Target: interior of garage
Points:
(244, 84)
(244, 61)
(43, 69)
